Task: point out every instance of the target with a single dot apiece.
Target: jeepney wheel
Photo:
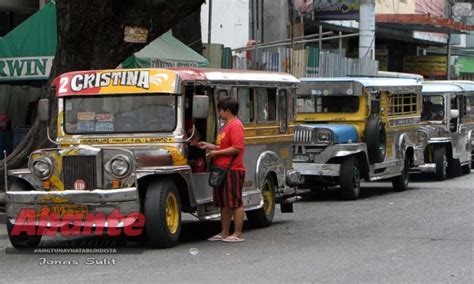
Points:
(349, 179)
(162, 214)
(441, 161)
(375, 138)
(22, 240)
(400, 183)
(263, 217)
(466, 169)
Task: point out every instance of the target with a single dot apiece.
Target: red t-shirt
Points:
(231, 135)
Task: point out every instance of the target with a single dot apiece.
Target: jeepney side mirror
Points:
(454, 113)
(43, 110)
(200, 106)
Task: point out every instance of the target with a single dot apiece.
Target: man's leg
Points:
(226, 217)
(238, 221)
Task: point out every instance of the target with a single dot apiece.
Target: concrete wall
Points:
(276, 20)
(230, 22)
(395, 6)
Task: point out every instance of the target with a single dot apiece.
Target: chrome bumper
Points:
(311, 169)
(126, 200)
(427, 168)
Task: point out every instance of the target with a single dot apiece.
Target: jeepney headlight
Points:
(323, 136)
(120, 166)
(422, 136)
(42, 168)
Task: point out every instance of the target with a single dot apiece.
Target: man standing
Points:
(229, 150)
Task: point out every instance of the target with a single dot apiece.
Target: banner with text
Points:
(25, 68)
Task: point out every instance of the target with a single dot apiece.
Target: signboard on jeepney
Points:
(25, 68)
(117, 81)
(336, 9)
(430, 65)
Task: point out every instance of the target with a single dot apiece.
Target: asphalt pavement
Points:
(422, 235)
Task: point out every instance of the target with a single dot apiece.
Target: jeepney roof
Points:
(215, 75)
(430, 87)
(369, 81)
(355, 85)
(155, 80)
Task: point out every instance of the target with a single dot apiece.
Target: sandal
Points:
(233, 239)
(216, 238)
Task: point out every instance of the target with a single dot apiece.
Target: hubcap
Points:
(267, 198)
(172, 213)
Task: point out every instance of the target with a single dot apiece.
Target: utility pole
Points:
(448, 59)
(209, 24)
(367, 29)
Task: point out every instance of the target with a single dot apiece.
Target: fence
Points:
(307, 62)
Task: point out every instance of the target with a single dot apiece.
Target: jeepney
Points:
(353, 128)
(122, 143)
(446, 141)
(467, 113)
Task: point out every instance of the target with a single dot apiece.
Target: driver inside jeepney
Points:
(433, 108)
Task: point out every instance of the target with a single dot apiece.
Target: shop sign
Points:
(25, 68)
(431, 65)
(336, 10)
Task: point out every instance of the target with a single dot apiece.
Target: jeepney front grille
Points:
(79, 167)
(303, 136)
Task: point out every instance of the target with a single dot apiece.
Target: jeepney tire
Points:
(22, 240)
(162, 214)
(441, 161)
(349, 179)
(263, 217)
(400, 183)
(466, 169)
(376, 140)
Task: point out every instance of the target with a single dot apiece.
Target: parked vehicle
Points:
(354, 128)
(446, 141)
(123, 144)
(467, 113)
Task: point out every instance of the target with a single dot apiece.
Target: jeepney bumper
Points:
(313, 169)
(426, 168)
(124, 201)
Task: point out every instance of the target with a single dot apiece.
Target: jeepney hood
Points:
(342, 133)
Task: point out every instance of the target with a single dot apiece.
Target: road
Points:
(424, 234)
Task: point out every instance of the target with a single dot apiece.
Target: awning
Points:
(166, 51)
(27, 52)
(421, 22)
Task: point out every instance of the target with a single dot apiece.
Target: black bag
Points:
(217, 174)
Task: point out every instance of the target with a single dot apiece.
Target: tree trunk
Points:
(91, 36)
(188, 30)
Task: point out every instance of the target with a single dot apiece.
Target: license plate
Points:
(65, 209)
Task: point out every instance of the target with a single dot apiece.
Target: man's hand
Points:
(203, 145)
(212, 154)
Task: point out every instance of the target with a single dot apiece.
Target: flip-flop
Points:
(216, 238)
(233, 239)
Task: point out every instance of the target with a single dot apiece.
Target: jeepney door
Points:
(456, 128)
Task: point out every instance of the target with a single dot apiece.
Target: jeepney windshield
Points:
(327, 104)
(120, 114)
(433, 108)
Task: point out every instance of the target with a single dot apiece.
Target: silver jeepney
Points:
(353, 128)
(446, 140)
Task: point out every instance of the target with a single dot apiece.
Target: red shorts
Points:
(230, 195)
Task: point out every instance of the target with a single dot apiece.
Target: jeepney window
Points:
(120, 114)
(432, 108)
(221, 94)
(266, 104)
(403, 104)
(245, 97)
(327, 104)
(283, 110)
(469, 106)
